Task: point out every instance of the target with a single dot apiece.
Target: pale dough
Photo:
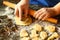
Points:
(50, 28)
(23, 33)
(25, 38)
(27, 21)
(36, 38)
(37, 27)
(33, 34)
(43, 35)
(54, 35)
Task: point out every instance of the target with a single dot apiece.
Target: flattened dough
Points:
(37, 27)
(23, 33)
(43, 35)
(25, 38)
(50, 28)
(27, 21)
(54, 35)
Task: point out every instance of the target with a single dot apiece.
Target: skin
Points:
(41, 14)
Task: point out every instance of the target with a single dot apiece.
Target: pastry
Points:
(37, 27)
(50, 28)
(36, 38)
(23, 33)
(43, 35)
(54, 35)
(33, 34)
(25, 38)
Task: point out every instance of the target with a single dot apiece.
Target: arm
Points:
(57, 8)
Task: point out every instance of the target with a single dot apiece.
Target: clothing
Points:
(46, 3)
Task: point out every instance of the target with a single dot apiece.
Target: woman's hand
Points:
(45, 13)
(21, 7)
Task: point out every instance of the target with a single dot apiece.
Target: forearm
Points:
(25, 0)
(57, 8)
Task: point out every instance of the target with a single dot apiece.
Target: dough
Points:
(36, 38)
(26, 21)
(33, 34)
(43, 35)
(50, 28)
(37, 27)
(54, 35)
(23, 33)
(25, 38)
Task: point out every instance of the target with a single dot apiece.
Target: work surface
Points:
(16, 35)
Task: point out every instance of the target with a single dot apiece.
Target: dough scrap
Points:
(23, 33)
(25, 38)
(54, 35)
(37, 27)
(43, 35)
(50, 28)
(27, 21)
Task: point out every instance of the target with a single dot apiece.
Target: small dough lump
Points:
(23, 33)
(25, 38)
(37, 27)
(54, 35)
(50, 28)
(43, 35)
(33, 34)
(36, 38)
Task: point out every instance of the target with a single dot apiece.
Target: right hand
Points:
(21, 7)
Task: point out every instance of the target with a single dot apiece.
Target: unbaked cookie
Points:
(43, 35)
(54, 35)
(50, 28)
(36, 38)
(25, 38)
(37, 27)
(23, 33)
(33, 34)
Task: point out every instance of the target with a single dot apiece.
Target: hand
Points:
(44, 13)
(21, 7)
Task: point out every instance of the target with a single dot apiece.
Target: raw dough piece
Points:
(25, 38)
(37, 27)
(50, 28)
(43, 35)
(54, 35)
(33, 34)
(26, 21)
(36, 38)
(23, 33)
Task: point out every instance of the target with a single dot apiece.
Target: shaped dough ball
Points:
(23, 33)
(50, 28)
(37, 27)
(36, 38)
(43, 35)
(54, 35)
(33, 34)
(25, 38)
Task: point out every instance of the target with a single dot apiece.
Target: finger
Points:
(26, 12)
(41, 16)
(40, 13)
(45, 17)
(37, 12)
(16, 12)
(20, 13)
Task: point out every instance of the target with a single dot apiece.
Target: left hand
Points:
(44, 13)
